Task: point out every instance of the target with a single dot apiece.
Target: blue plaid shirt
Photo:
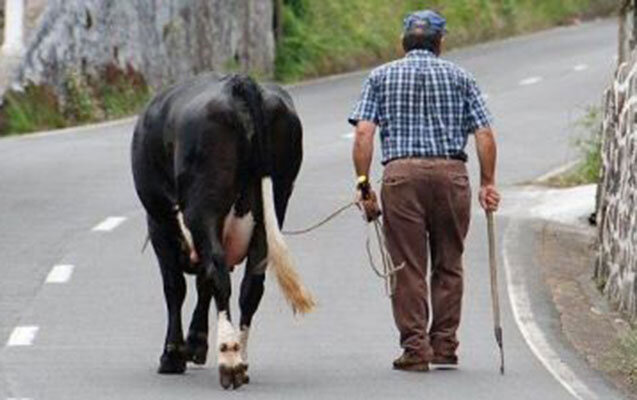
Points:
(423, 105)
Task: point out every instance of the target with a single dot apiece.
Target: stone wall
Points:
(617, 209)
(164, 40)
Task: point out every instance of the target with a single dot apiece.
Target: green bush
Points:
(589, 146)
(115, 93)
(328, 36)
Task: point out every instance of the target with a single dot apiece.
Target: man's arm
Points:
(487, 155)
(362, 154)
(363, 147)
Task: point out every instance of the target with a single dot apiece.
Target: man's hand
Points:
(369, 206)
(489, 198)
(366, 200)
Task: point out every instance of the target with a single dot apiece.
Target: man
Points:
(425, 108)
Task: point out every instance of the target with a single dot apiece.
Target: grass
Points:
(328, 36)
(116, 93)
(589, 146)
(623, 359)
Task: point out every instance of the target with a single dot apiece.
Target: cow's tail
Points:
(279, 257)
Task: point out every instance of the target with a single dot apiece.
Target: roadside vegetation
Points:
(623, 359)
(316, 38)
(329, 36)
(589, 146)
(115, 94)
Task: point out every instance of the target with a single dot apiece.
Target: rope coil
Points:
(389, 269)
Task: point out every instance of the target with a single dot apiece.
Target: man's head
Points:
(424, 30)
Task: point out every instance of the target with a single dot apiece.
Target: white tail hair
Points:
(279, 257)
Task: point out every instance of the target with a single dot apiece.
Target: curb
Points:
(71, 130)
(537, 317)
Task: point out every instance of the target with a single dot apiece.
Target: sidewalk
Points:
(552, 248)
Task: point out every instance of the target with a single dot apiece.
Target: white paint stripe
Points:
(109, 224)
(348, 136)
(22, 336)
(580, 67)
(533, 335)
(531, 81)
(60, 274)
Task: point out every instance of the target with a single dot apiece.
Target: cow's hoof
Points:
(172, 362)
(233, 377)
(197, 350)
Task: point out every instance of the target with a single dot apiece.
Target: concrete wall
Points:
(617, 261)
(164, 40)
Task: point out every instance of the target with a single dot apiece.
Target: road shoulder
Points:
(549, 257)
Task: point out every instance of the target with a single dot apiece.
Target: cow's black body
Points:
(202, 147)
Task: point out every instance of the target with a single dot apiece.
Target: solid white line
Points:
(22, 336)
(60, 274)
(580, 67)
(531, 81)
(533, 335)
(109, 224)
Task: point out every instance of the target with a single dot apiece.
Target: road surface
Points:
(94, 328)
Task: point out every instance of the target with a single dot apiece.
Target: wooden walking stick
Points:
(495, 298)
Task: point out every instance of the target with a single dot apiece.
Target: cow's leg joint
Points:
(232, 370)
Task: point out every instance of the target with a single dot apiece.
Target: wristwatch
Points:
(362, 184)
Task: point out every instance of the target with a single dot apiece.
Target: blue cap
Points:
(427, 20)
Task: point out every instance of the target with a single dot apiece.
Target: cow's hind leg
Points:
(197, 341)
(231, 369)
(164, 237)
(252, 287)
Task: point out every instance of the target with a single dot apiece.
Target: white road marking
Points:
(533, 334)
(348, 136)
(109, 224)
(580, 67)
(18, 398)
(531, 81)
(22, 336)
(60, 274)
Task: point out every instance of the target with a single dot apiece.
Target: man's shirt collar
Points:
(420, 53)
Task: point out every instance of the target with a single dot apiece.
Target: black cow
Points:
(214, 161)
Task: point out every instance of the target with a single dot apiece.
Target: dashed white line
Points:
(580, 67)
(349, 135)
(109, 224)
(22, 336)
(531, 81)
(60, 274)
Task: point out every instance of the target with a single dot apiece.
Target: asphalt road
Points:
(98, 334)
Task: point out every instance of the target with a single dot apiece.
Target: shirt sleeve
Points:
(366, 108)
(477, 113)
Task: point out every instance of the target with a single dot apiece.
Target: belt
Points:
(462, 156)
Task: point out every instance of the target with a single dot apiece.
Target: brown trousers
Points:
(427, 203)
